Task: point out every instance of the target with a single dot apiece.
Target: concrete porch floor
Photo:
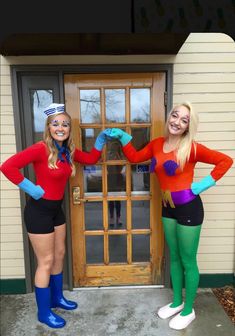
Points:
(116, 312)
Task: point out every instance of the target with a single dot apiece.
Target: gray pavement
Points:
(114, 312)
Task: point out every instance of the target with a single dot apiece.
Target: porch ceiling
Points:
(92, 44)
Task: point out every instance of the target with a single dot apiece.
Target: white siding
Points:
(11, 240)
(204, 73)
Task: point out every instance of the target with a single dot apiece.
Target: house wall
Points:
(204, 74)
(11, 242)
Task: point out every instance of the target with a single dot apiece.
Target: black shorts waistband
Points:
(45, 203)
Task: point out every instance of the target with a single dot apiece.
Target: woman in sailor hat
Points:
(53, 160)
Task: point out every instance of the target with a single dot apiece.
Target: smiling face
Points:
(178, 122)
(59, 127)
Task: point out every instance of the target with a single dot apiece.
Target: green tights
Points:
(183, 244)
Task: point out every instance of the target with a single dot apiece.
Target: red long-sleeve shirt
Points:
(52, 181)
(179, 179)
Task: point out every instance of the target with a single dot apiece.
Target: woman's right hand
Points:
(102, 139)
(35, 191)
(121, 135)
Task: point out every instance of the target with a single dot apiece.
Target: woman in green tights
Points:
(173, 159)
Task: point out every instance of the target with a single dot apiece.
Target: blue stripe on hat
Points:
(54, 108)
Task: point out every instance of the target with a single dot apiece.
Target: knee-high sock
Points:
(176, 268)
(188, 240)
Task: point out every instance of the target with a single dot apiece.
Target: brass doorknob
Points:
(76, 195)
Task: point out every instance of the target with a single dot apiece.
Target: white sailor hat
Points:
(54, 109)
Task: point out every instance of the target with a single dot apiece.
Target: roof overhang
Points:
(92, 44)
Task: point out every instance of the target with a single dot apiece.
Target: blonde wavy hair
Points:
(187, 138)
(53, 151)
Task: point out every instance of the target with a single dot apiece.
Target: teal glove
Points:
(122, 136)
(101, 139)
(203, 184)
(108, 132)
(30, 188)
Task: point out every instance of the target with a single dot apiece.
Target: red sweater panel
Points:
(53, 181)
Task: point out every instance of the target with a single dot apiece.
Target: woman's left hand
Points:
(202, 185)
(123, 137)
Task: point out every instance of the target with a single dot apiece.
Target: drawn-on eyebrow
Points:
(63, 122)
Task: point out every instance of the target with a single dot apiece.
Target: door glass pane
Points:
(140, 214)
(93, 216)
(117, 248)
(116, 179)
(117, 214)
(114, 150)
(140, 178)
(140, 248)
(141, 137)
(39, 100)
(92, 177)
(89, 136)
(115, 105)
(140, 105)
(94, 249)
(90, 106)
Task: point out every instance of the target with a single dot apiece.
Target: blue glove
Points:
(30, 188)
(122, 136)
(203, 184)
(101, 139)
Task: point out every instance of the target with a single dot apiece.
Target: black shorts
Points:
(43, 215)
(189, 214)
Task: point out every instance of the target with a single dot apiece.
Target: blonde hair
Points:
(187, 138)
(53, 151)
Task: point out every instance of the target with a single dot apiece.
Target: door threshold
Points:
(119, 287)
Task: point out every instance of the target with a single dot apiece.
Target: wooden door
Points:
(107, 252)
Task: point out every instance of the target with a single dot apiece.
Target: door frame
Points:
(17, 73)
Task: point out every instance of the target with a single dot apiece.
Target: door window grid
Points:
(107, 167)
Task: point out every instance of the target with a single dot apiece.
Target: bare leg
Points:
(43, 246)
(59, 249)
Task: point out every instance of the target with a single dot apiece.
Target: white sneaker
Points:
(180, 322)
(167, 311)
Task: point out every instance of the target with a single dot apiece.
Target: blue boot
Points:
(45, 315)
(57, 298)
